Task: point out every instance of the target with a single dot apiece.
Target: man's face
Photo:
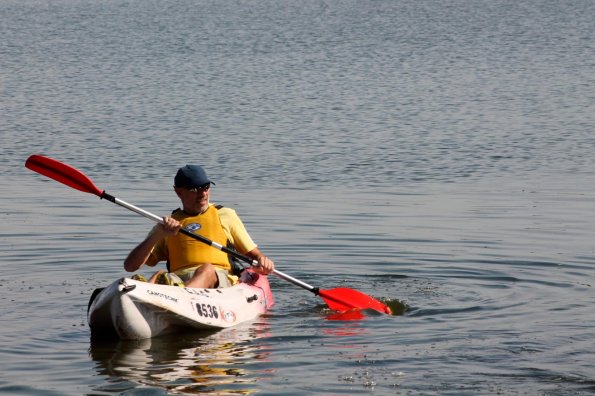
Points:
(194, 200)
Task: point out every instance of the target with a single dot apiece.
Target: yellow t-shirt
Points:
(219, 224)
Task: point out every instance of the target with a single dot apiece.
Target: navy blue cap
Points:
(191, 176)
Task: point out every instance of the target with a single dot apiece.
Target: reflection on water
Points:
(350, 325)
(219, 362)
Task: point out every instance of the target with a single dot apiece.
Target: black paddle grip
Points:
(108, 197)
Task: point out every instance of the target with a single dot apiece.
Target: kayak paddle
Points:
(339, 299)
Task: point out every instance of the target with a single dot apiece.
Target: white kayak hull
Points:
(133, 309)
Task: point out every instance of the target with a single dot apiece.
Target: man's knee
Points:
(207, 274)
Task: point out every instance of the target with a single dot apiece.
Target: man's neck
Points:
(194, 213)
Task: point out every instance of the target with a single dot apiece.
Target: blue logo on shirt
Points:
(193, 227)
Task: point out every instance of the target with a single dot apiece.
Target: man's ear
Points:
(177, 190)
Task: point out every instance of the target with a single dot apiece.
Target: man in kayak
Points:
(195, 263)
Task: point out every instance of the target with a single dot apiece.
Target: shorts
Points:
(224, 277)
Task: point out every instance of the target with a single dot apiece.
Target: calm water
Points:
(437, 155)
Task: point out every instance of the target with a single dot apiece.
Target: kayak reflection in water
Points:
(190, 261)
(221, 362)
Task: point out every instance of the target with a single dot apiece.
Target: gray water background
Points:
(436, 155)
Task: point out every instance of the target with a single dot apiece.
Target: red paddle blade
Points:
(344, 299)
(63, 173)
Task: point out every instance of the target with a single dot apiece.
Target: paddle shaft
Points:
(207, 241)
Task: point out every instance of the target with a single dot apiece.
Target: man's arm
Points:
(140, 254)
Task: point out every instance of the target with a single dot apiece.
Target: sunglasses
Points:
(204, 187)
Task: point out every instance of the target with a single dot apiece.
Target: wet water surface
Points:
(436, 156)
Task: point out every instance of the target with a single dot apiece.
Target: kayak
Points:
(133, 309)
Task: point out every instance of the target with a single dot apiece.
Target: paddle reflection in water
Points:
(223, 362)
(348, 325)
